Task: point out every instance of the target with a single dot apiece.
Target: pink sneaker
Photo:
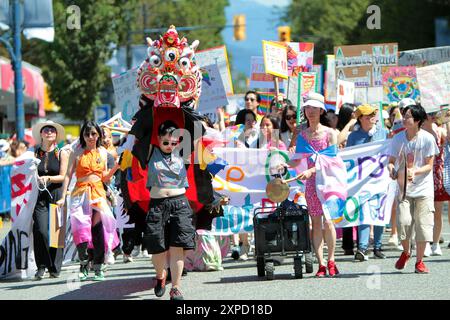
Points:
(332, 269)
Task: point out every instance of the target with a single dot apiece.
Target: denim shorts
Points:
(169, 224)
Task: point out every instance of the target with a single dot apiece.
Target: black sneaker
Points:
(235, 252)
(349, 252)
(441, 240)
(168, 275)
(361, 255)
(184, 273)
(378, 254)
(175, 294)
(39, 274)
(160, 287)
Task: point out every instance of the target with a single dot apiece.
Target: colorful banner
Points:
(300, 56)
(318, 69)
(345, 93)
(330, 79)
(217, 55)
(213, 92)
(362, 64)
(126, 93)
(424, 57)
(434, 85)
(275, 59)
(307, 82)
(370, 191)
(400, 83)
(16, 251)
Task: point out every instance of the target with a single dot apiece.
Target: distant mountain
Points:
(261, 24)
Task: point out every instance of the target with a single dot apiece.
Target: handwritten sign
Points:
(275, 59)
(213, 92)
(126, 94)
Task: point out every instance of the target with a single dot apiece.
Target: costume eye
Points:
(155, 61)
(171, 55)
(184, 62)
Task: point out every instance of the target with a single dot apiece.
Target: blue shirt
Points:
(360, 137)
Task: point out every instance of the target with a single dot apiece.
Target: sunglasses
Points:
(48, 130)
(250, 99)
(173, 144)
(288, 118)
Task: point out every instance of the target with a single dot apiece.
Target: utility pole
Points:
(129, 56)
(17, 66)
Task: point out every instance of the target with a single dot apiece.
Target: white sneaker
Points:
(136, 251)
(145, 254)
(427, 252)
(393, 240)
(436, 250)
(243, 257)
(127, 258)
(110, 258)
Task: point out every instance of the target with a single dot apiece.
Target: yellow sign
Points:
(275, 59)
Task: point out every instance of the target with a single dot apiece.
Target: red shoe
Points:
(402, 261)
(322, 272)
(332, 269)
(421, 268)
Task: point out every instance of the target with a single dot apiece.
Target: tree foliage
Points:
(328, 23)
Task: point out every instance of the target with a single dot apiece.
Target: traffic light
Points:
(239, 27)
(284, 34)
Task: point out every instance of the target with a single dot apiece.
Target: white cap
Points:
(405, 102)
(314, 99)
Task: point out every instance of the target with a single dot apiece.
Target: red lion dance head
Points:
(169, 76)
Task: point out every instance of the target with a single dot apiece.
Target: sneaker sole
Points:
(421, 272)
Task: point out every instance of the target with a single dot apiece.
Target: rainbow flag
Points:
(117, 122)
(264, 106)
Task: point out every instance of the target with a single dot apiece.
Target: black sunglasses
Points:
(250, 99)
(166, 143)
(291, 117)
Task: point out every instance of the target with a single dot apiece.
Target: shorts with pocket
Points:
(417, 214)
(169, 224)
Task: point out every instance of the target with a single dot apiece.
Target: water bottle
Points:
(294, 234)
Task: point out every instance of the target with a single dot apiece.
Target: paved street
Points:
(375, 279)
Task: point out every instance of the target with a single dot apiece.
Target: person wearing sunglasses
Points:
(92, 221)
(252, 100)
(288, 123)
(169, 227)
(367, 117)
(51, 171)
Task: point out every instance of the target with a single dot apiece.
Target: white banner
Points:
(370, 190)
(16, 250)
(126, 93)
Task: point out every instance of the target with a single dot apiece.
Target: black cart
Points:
(285, 232)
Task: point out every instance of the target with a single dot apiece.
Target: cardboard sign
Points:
(275, 59)
(434, 84)
(300, 56)
(424, 57)
(217, 55)
(362, 64)
(213, 91)
(126, 93)
(57, 226)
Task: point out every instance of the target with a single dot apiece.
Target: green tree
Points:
(74, 65)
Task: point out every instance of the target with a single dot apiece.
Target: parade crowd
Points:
(91, 171)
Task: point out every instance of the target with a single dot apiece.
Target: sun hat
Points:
(365, 110)
(60, 132)
(314, 99)
(405, 102)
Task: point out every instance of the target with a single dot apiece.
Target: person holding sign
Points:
(51, 171)
(367, 131)
(169, 226)
(319, 137)
(93, 224)
(414, 149)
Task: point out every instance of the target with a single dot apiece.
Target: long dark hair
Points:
(345, 115)
(240, 117)
(284, 127)
(89, 126)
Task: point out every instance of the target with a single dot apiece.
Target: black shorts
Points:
(169, 224)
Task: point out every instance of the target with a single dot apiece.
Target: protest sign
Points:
(16, 252)
(275, 59)
(362, 64)
(400, 83)
(259, 79)
(424, 57)
(217, 55)
(330, 80)
(213, 92)
(345, 93)
(126, 94)
(318, 69)
(434, 85)
(300, 56)
(307, 82)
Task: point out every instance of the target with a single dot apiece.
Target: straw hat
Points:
(60, 133)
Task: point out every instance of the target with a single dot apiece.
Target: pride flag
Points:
(264, 105)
